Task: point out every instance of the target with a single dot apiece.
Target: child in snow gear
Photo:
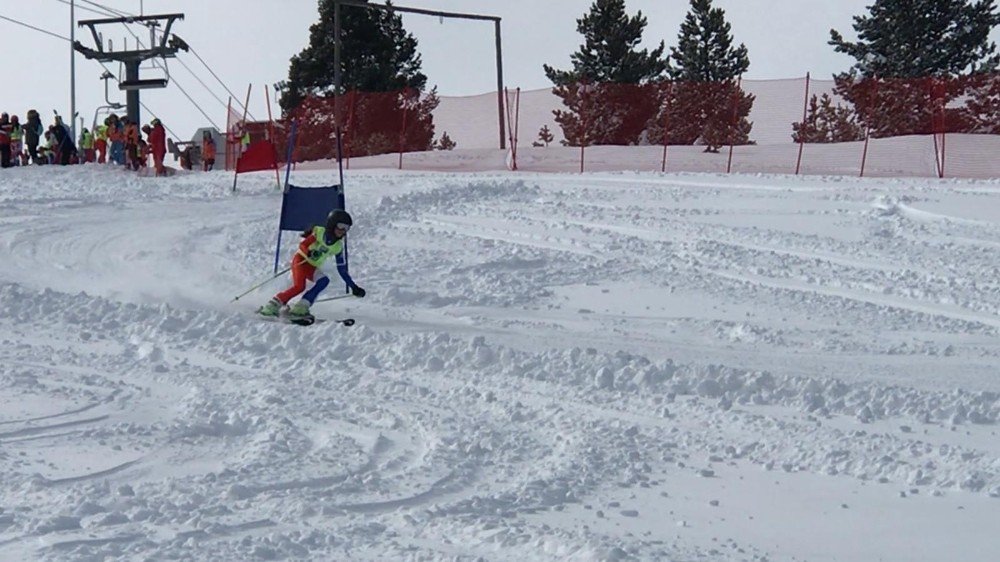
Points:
(319, 243)
(16, 134)
(4, 141)
(158, 146)
(207, 151)
(34, 132)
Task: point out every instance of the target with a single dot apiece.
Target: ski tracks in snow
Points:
(537, 359)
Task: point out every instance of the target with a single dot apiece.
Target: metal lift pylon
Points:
(164, 47)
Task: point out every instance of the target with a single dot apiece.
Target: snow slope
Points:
(606, 366)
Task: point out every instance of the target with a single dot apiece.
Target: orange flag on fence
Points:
(259, 156)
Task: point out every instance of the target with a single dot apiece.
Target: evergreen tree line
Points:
(921, 66)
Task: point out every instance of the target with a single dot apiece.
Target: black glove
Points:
(315, 254)
(358, 292)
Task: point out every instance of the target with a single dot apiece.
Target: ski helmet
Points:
(338, 217)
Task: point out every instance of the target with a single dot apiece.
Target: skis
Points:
(308, 320)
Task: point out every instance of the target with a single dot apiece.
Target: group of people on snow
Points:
(120, 141)
(116, 141)
(33, 142)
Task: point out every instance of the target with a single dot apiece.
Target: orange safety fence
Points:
(928, 127)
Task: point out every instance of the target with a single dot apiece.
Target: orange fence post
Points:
(349, 130)
(938, 123)
(583, 122)
(402, 132)
(270, 132)
(666, 123)
(512, 124)
(802, 137)
(868, 125)
(732, 129)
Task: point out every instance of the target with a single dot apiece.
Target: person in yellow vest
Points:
(101, 143)
(244, 142)
(319, 243)
(87, 145)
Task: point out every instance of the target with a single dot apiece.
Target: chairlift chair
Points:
(102, 112)
(147, 83)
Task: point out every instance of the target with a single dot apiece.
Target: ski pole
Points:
(261, 284)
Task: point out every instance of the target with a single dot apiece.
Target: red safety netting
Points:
(924, 127)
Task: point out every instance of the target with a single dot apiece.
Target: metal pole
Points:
(337, 80)
(804, 129)
(72, 68)
(336, 55)
(132, 96)
(496, 28)
(404, 9)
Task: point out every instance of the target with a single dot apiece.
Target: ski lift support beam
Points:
(167, 47)
(394, 8)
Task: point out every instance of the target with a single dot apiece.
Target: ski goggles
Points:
(342, 226)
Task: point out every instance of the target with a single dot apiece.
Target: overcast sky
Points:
(250, 41)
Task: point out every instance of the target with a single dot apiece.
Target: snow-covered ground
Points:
(589, 367)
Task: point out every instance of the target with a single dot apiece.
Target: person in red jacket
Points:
(158, 146)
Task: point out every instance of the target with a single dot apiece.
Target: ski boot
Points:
(272, 308)
(299, 313)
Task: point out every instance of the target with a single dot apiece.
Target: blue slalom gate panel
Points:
(305, 207)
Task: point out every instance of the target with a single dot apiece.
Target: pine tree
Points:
(377, 55)
(912, 58)
(607, 93)
(705, 103)
(445, 142)
(827, 123)
(982, 110)
(545, 135)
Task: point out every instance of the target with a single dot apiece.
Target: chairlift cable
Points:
(56, 35)
(29, 26)
(86, 9)
(120, 13)
(149, 111)
(202, 111)
(113, 11)
(174, 80)
(212, 72)
(200, 81)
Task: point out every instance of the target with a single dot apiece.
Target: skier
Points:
(318, 244)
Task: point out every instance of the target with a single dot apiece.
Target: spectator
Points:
(158, 146)
(143, 158)
(101, 142)
(65, 147)
(207, 151)
(131, 144)
(16, 134)
(4, 141)
(87, 146)
(185, 157)
(116, 134)
(33, 132)
(49, 147)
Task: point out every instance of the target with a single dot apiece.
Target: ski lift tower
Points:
(164, 47)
